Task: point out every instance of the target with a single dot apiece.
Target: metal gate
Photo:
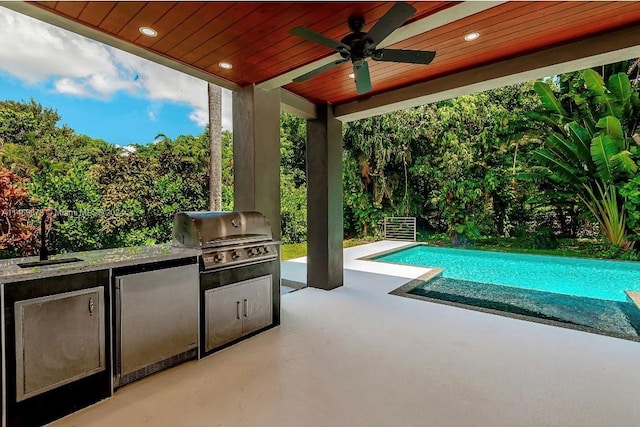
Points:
(400, 228)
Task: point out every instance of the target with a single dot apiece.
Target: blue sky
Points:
(98, 90)
(122, 119)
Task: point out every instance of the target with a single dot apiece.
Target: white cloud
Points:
(34, 52)
(70, 86)
(127, 150)
(199, 116)
(227, 112)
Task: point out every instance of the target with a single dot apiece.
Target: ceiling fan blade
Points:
(394, 17)
(363, 79)
(317, 71)
(402, 55)
(312, 36)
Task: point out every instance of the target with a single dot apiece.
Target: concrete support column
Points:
(256, 153)
(324, 200)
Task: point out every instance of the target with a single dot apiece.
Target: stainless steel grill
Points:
(239, 274)
(226, 239)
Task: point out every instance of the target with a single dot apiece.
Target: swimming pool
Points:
(589, 278)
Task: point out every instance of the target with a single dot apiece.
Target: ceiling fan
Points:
(358, 46)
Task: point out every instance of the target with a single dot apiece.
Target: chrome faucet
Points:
(44, 255)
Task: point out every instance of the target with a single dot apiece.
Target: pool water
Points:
(606, 280)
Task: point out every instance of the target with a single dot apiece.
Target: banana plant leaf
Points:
(553, 120)
(624, 162)
(563, 170)
(611, 126)
(594, 81)
(590, 125)
(563, 148)
(603, 147)
(620, 86)
(548, 99)
(610, 106)
(582, 140)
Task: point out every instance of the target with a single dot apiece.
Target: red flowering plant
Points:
(18, 236)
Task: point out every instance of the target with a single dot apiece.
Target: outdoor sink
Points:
(47, 262)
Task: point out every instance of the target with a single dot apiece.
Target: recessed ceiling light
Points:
(148, 31)
(351, 75)
(471, 36)
(225, 65)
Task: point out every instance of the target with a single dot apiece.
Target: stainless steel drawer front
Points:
(59, 339)
(158, 316)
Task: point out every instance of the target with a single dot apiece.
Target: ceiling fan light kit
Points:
(358, 46)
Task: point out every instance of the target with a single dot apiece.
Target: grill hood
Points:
(200, 230)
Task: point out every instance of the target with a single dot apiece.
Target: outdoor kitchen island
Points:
(65, 327)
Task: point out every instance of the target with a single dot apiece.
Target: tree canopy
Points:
(554, 157)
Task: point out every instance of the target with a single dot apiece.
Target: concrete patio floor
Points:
(356, 356)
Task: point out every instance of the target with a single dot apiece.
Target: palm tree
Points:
(215, 162)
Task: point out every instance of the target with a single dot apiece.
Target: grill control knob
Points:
(254, 251)
(235, 254)
(218, 257)
(264, 249)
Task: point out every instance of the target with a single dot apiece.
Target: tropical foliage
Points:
(452, 164)
(535, 162)
(590, 151)
(105, 196)
(17, 235)
(293, 188)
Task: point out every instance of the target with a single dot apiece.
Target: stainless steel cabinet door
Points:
(158, 315)
(257, 304)
(223, 315)
(59, 339)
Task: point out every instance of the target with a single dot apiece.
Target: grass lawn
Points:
(297, 250)
(581, 248)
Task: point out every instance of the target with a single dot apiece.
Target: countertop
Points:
(91, 261)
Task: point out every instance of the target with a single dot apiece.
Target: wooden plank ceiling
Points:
(254, 36)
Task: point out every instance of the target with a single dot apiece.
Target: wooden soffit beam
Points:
(297, 105)
(586, 53)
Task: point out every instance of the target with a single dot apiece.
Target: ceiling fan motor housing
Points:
(359, 46)
(356, 24)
